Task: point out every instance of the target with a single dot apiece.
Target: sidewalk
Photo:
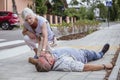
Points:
(18, 68)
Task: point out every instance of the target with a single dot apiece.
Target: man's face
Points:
(30, 19)
(47, 58)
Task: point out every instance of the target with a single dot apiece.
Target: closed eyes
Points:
(45, 59)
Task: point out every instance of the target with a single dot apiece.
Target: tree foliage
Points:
(90, 13)
(116, 10)
(88, 1)
(14, 7)
(82, 13)
(57, 7)
(74, 2)
(103, 10)
(70, 12)
(40, 7)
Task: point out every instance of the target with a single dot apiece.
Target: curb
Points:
(114, 73)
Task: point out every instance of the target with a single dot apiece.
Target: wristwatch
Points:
(43, 50)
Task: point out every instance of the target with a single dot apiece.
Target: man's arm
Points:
(32, 60)
(95, 67)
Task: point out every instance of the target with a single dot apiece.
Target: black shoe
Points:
(105, 48)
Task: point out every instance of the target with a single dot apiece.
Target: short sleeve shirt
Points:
(69, 59)
(78, 54)
(68, 63)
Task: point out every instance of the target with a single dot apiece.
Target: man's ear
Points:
(52, 62)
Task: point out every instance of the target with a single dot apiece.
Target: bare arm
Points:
(45, 36)
(95, 67)
(33, 61)
(27, 32)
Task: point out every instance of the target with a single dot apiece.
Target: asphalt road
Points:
(10, 35)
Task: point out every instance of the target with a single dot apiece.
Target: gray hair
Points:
(42, 67)
(27, 11)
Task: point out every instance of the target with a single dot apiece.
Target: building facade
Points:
(19, 5)
(16, 6)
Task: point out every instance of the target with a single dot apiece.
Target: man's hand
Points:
(108, 66)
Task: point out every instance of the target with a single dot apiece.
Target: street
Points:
(10, 35)
(11, 43)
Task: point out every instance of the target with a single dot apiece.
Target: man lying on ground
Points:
(70, 59)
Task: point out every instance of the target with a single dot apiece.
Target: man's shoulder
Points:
(63, 48)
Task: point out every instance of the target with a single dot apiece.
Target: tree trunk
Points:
(14, 7)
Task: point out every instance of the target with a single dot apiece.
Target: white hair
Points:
(27, 11)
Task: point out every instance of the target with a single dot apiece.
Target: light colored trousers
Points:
(33, 43)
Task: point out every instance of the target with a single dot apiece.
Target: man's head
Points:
(28, 15)
(45, 63)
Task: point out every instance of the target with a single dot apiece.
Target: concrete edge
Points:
(114, 73)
